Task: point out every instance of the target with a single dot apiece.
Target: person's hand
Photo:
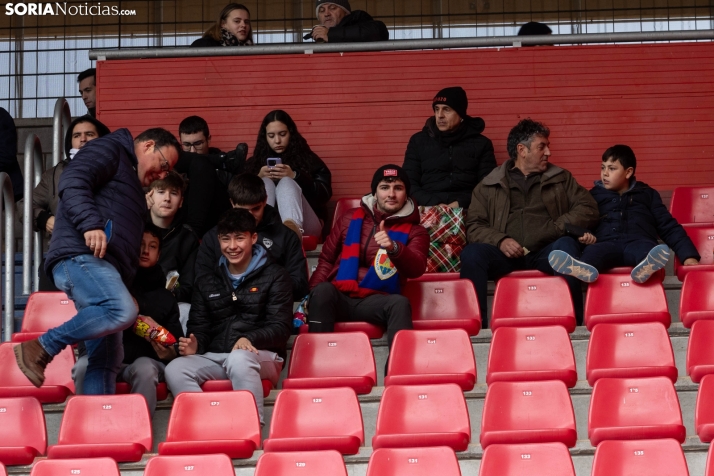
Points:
(96, 241)
(588, 239)
(244, 344)
(691, 262)
(264, 172)
(188, 346)
(319, 33)
(50, 225)
(281, 171)
(511, 248)
(150, 199)
(382, 238)
(164, 353)
(454, 204)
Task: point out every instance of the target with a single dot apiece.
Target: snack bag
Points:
(158, 334)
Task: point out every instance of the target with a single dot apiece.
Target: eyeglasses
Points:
(198, 145)
(165, 166)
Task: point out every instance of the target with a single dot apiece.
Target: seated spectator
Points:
(248, 192)
(232, 28)
(360, 271)
(145, 360)
(632, 218)
(520, 212)
(300, 184)
(45, 196)
(179, 241)
(240, 319)
(87, 80)
(340, 24)
(534, 28)
(449, 156)
(8, 153)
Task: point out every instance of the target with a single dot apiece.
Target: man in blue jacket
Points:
(94, 250)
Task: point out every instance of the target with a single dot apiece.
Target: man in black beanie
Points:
(450, 156)
(370, 251)
(340, 24)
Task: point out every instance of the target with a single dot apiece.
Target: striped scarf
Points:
(382, 277)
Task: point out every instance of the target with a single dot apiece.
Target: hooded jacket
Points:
(443, 173)
(410, 260)
(98, 185)
(179, 247)
(8, 153)
(259, 308)
(358, 26)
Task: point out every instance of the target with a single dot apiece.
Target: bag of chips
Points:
(158, 334)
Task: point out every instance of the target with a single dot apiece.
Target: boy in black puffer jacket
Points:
(632, 217)
(240, 319)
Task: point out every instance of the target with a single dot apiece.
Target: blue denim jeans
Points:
(104, 309)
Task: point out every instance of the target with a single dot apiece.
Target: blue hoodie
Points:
(259, 258)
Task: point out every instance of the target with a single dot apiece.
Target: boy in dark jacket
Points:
(340, 24)
(632, 217)
(240, 319)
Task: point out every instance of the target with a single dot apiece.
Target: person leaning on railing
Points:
(340, 24)
(232, 28)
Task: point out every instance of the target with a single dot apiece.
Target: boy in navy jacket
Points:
(632, 218)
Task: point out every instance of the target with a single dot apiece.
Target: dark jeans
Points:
(481, 262)
(611, 254)
(328, 305)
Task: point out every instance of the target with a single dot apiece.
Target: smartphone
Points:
(273, 161)
(108, 230)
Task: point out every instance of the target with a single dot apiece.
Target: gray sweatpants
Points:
(244, 369)
(292, 205)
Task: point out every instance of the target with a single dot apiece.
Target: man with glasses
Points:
(94, 250)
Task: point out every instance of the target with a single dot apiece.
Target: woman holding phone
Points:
(297, 181)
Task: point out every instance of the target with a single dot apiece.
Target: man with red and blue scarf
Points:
(368, 255)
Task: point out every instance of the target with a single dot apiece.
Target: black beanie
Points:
(388, 171)
(455, 98)
(343, 4)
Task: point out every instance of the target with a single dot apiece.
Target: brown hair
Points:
(172, 181)
(215, 31)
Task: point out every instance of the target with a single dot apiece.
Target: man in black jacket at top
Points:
(450, 156)
(339, 24)
(248, 191)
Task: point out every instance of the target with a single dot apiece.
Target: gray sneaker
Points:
(656, 259)
(563, 263)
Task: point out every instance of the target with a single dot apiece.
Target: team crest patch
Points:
(383, 266)
(267, 242)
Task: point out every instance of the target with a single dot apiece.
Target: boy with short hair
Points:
(632, 217)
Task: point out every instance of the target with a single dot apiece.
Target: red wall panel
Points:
(358, 110)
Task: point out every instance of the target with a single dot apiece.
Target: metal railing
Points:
(60, 123)
(34, 167)
(428, 44)
(7, 203)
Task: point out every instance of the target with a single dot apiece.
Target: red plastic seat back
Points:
(616, 298)
(704, 410)
(430, 353)
(546, 459)
(106, 419)
(207, 416)
(190, 465)
(46, 310)
(692, 205)
(453, 302)
(342, 206)
(697, 298)
(301, 463)
(639, 457)
(305, 413)
(439, 460)
(58, 377)
(534, 297)
(703, 238)
(342, 354)
(3, 471)
(84, 466)
(22, 422)
(700, 352)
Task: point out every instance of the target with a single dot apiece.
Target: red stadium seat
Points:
(114, 426)
(162, 391)
(301, 463)
(615, 298)
(309, 243)
(23, 434)
(697, 298)
(526, 273)
(428, 277)
(709, 471)
(634, 408)
(86, 466)
(3, 471)
(700, 352)
(190, 465)
(316, 419)
(658, 275)
(528, 412)
(704, 412)
(534, 459)
(449, 304)
(414, 462)
(58, 377)
(343, 206)
(213, 422)
(332, 360)
(640, 457)
(372, 331)
(703, 238)
(423, 415)
(44, 311)
(227, 386)
(432, 357)
(630, 351)
(531, 353)
(692, 205)
(527, 301)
